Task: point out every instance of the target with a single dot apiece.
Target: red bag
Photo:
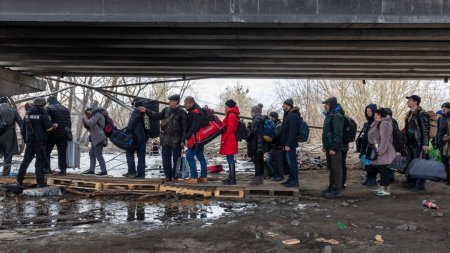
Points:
(206, 134)
(215, 169)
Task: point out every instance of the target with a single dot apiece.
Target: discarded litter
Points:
(291, 242)
(271, 234)
(430, 204)
(330, 241)
(341, 226)
(379, 239)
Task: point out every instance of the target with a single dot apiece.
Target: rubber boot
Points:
(229, 175)
(232, 177)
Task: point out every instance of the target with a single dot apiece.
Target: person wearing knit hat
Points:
(275, 159)
(443, 130)
(290, 130)
(257, 143)
(228, 142)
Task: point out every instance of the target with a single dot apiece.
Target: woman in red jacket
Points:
(229, 143)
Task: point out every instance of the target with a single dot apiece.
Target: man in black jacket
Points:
(61, 116)
(290, 129)
(275, 159)
(442, 131)
(8, 137)
(196, 119)
(35, 129)
(173, 129)
(417, 128)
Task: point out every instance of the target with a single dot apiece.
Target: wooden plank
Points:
(59, 181)
(204, 191)
(81, 184)
(228, 192)
(142, 187)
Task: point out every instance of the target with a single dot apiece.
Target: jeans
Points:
(198, 152)
(230, 159)
(171, 161)
(140, 150)
(61, 145)
(334, 165)
(33, 148)
(291, 157)
(258, 161)
(7, 164)
(96, 154)
(270, 163)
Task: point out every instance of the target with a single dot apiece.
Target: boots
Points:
(232, 176)
(229, 176)
(257, 180)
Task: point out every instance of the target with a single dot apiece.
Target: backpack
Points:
(268, 130)
(241, 131)
(122, 139)
(303, 135)
(398, 139)
(210, 116)
(350, 130)
(109, 128)
(433, 124)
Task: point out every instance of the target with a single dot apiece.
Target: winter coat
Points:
(255, 138)
(276, 142)
(229, 143)
(196, 119)
(290, 128)
(136, 125)
(417, 128)
(381, 133)
(60, 115)
(173, 125)
(333, 128)
(36, 126)
(95, 124)
(8, 139)
(366, 127)
(443, 130)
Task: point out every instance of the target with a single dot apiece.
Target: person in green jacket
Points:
(332, 144)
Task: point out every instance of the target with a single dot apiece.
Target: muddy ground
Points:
(173, 224)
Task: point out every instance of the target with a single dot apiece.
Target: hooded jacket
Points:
(8, 139)
(173, 125)
(381, 133)
(196, 119)
(255, 138)
(36, 126)
(95, 124)
(229, 144)
(290, 128)
(443, 130)
(366, 127)
(333, 127)
(417, 128)
(60, 115)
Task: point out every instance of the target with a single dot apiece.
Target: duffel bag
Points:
(122, 139)
(206, 134)
(427, 169)
(400, 164)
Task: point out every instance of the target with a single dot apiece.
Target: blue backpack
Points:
(268, 130)
(303, 135)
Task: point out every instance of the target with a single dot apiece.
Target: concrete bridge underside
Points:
(348, 39)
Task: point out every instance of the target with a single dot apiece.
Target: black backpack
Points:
(241, 131)
(398, 139)
(350, 130)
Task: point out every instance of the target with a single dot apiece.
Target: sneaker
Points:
(334, 194)
(380, 189)
(129, 175)
(278, 179)
(88, 172)
(383, 193)
(202, 180)
(286, 182)
(327, 190)
(102, 174)
(191, 181)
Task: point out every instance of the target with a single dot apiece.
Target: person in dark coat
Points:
(444, 123)
(290, 129)
(275, 159)
(417, 128)
(173, 129)
(257, 143)
(249, 147)
(196, 119)
(60, 115)
(333, 143)
(228, 142)
(137, 129)
(35, 129)
(371, 170)
(8, 138)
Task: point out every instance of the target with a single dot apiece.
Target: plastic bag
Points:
(433, 153)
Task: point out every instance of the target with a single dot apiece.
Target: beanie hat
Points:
(39, 102)
(257, 109)
(446, 105)
(289, 102)
(230, 103)
(273, 115)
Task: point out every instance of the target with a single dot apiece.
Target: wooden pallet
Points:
(229, 192)
(132, 186)
(86, 185)
(59, 181)
(204, 191)
(271, 192)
